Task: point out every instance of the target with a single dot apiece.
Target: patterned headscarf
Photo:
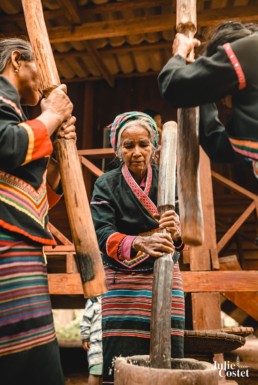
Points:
(128, 117)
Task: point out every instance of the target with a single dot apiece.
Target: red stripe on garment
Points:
(16, 229)
(236, 65)
(42, 142)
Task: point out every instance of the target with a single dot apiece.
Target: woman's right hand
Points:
(56, 108)
(183, 45)
(155, 244)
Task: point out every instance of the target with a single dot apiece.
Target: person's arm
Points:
(104, 216)
(67, 131)
(85, 324)
(206, 80)
(21, 142)
(213, 136)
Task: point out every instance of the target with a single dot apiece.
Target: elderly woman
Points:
(127, 223)
(29, 180)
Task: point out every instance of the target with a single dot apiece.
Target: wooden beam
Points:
(247, 301)
(233, 186)
(98, 152)
(123, 6)
(202, 256)
(72, 10)
(60, 249)
(206, 311)
(237, 224)
(74, 15)
(90, 10)
(90, 166)
(61, 237)
(96, 57)
(140, 25)
(204, 281)
(97, 30)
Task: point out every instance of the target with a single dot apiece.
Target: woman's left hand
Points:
(170, 221)
(67, 130)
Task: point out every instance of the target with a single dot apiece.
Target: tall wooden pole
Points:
(87, 251)
(160, 344)
(190, 206)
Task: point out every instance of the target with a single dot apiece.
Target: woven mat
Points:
(211, 341)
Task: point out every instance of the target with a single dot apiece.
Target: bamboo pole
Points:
(85, 241)
(190, 205)
(160, 344)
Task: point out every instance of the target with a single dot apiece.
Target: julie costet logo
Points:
(232, 369)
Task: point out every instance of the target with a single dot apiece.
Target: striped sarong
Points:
(126, 314)
(29, 353)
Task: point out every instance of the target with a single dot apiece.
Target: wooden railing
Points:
(253, 206)
(68, 282)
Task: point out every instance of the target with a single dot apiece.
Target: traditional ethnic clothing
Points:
(28, 349)
(232, 70)
(91, 331)
(120, 208)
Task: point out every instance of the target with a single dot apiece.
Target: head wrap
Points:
(122, 120)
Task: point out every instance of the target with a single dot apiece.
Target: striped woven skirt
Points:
(126, 315)
(29, 353)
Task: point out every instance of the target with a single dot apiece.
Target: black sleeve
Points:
(13, 138)
(103, 212)
(206, 80)
(213, 136)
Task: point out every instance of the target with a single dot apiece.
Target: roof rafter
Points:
(74, 15)
(115, 28)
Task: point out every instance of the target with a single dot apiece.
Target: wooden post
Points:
(188, 146)
(160, 344)
(77, 205)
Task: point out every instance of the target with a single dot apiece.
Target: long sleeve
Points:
(104, 216)
(214, 138)
(85, 324)
(206, 80)
(21, 142)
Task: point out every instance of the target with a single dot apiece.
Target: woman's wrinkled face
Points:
(136, 149)
(29, 84)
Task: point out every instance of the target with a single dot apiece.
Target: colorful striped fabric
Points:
(26, 322)
(247, 148)
(126, 314)
(16, 193)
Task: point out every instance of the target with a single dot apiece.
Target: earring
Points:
(16, 70)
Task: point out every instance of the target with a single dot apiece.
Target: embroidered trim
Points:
(141, 195)
(245, 147)
(18, 230)
(31, 142)
(140, 256)
(12, 104)
(236, 65)
(99, 202)
(24, 198)
(40, 144)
